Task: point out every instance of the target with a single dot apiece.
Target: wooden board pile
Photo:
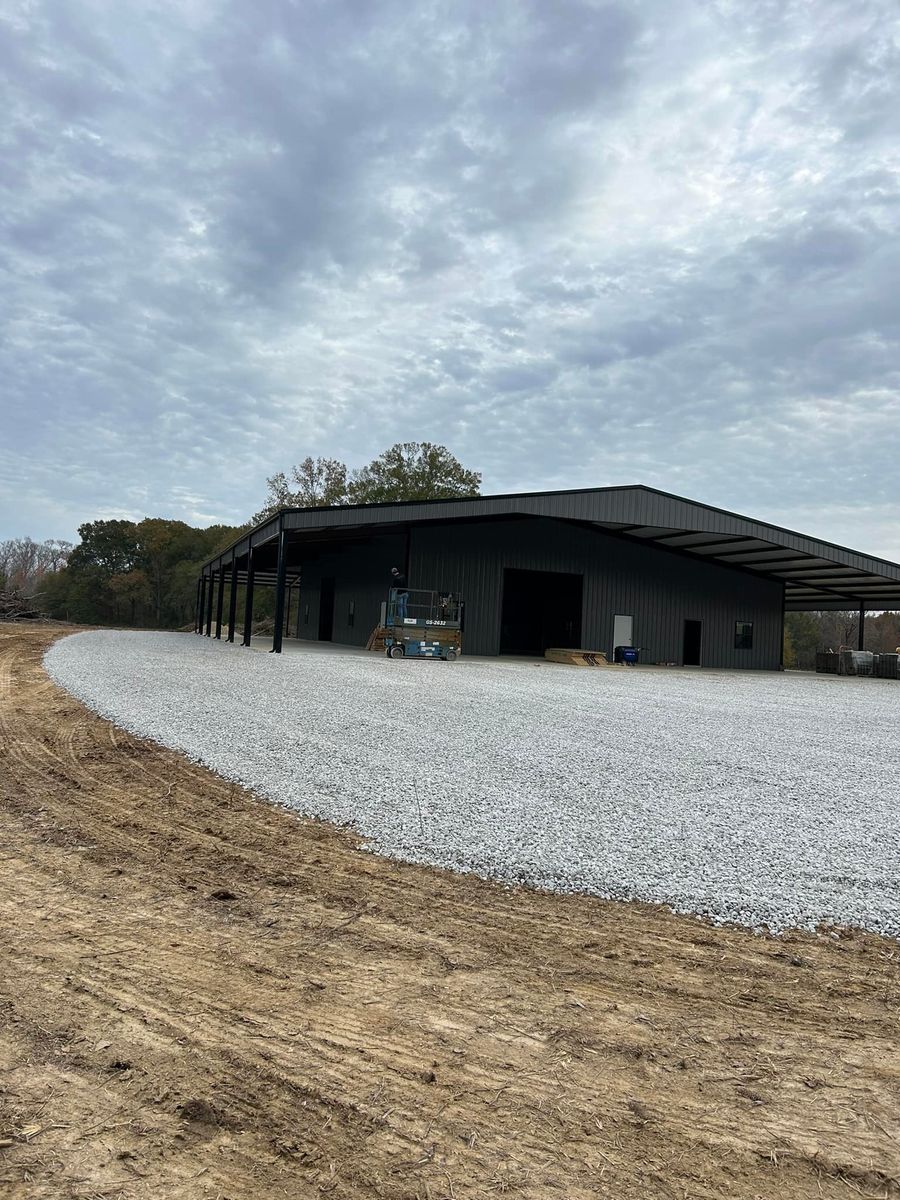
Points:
(578, 658)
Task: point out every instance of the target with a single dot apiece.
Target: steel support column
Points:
(248, 598)
(861, 640)
(232, 599)
(783, 611)
(279, 587)
(209, 603)
(201, 596)
(220, 602)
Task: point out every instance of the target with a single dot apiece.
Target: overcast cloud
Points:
(581, 244)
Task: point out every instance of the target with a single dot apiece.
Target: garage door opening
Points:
(540, 609)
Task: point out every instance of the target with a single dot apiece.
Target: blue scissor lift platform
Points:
(421, 624)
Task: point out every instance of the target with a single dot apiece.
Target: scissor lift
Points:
(420, 624)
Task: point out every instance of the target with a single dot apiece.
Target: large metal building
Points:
(593, 568)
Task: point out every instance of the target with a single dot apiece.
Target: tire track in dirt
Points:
(350, 1026)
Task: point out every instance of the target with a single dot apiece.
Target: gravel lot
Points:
(769, 800)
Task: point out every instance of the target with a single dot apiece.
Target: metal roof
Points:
(816, 574)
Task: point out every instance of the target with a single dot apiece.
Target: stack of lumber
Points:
(578, 658)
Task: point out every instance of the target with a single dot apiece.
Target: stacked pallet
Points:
(577, 658)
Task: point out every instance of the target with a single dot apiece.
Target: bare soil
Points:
(204, 996)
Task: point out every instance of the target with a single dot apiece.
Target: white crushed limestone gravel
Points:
(767, 800)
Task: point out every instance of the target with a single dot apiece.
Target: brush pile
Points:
(16, 607)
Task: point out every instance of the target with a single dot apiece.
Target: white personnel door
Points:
(622, 631)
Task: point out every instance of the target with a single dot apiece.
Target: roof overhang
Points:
(815, 574)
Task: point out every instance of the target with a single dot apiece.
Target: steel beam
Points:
(843, 572)
(220, 603)
(861, 640)
(201, 596)
(279, 588)
(248, 599)
(209, 603)
(719, 548)
(232, 599)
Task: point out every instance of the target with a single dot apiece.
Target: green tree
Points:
(788, 653)
(54, 593)
(107, 549)
(313, 483)
(141, 573)
(162, 545)
(110, 547)
(413, 471)
(129, 589)
(802, 637)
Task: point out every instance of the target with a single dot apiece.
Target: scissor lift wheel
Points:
(395, 651)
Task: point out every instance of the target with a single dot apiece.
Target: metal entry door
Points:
(622, 631)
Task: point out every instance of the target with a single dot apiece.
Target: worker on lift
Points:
(433, 631)
(398, 581)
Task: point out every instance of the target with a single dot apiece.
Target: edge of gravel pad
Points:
(417, 854)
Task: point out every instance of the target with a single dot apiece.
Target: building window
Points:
(743, 635)
(351, 613)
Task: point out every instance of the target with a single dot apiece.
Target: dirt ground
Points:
(203, 996)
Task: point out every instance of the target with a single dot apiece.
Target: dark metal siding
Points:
(660, 590)
(640, 508)
(637, 506)
(362, 574)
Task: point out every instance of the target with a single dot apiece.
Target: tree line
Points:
(24, 562)
(407, 471)
(139, 573)
(144, 573)
(807, 632)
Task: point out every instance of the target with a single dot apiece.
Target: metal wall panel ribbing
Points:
(634, 506)
(361, 574)
(660, 590)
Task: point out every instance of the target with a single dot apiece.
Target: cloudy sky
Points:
(580, 243)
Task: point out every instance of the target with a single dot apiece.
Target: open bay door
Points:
(622, 633)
